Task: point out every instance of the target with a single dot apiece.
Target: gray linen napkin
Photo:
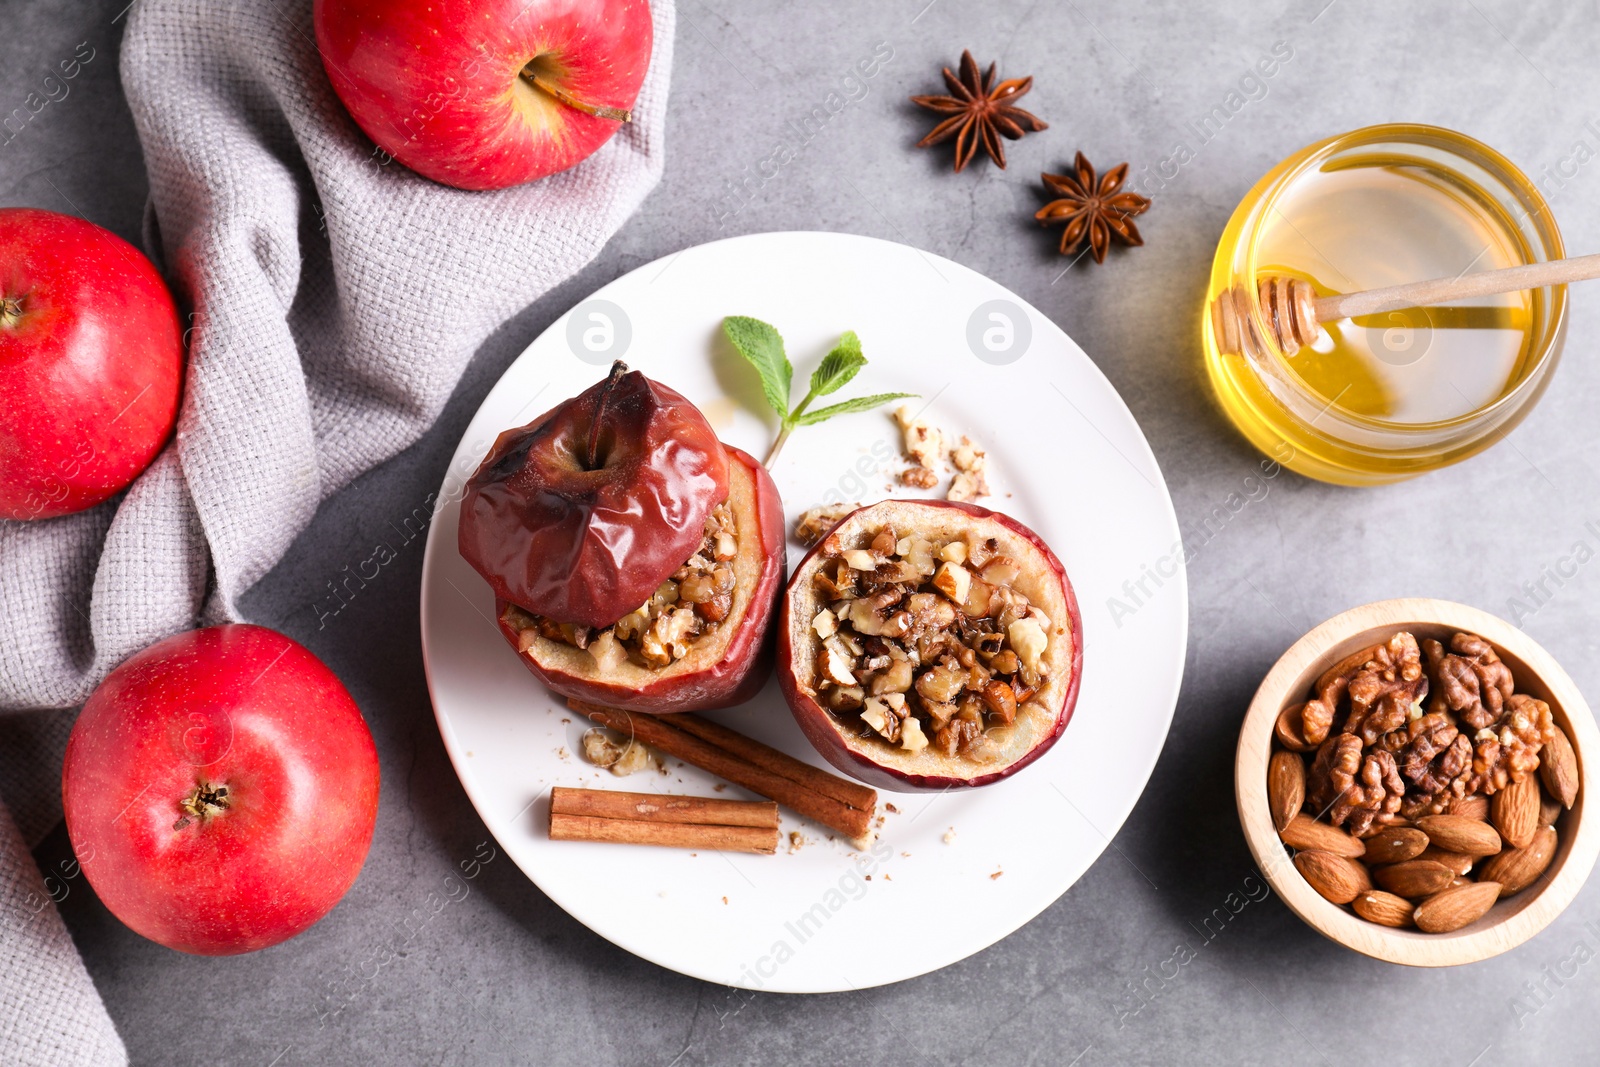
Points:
(336, 299)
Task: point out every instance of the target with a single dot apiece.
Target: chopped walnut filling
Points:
(814, 522)
(686, 607)
(927, 642)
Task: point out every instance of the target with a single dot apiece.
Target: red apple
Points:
(929, 644)
(482, 94)
(91, 357)
(220, 790)
(723, 668)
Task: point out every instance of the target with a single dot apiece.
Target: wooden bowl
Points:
(1511, 921)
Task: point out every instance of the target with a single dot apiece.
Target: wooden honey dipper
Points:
(1293, 311)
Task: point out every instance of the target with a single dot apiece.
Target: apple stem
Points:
(618, 369)
(600, 111)
(206, 800)
(10, 311)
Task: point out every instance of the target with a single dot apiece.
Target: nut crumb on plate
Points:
(950, 836)
(620, 755)
(972, 464)
(923, 442)
(919, 477)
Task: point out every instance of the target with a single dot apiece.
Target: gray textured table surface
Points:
(505, 976)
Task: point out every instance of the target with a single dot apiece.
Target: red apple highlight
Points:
(482, 94)
(91, 358)
(220, 790)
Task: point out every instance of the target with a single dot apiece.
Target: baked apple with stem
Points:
(928, 644)
(636, 560)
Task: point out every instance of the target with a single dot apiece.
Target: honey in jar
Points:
(1384, 397)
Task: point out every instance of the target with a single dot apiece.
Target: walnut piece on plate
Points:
(971, 464)
(924, 442)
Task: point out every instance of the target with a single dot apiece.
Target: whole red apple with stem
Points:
(482, 94)
(220, 790)
(91, 358)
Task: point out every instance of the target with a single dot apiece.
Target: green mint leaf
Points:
(838, 366)
(762, 346)
(845, 407)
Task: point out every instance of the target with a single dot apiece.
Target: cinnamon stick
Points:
(670, 834)
(659, 807)
(854, 822)
(829, 785)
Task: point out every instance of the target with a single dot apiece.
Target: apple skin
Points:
(743, 667)
(438, 86)
(589, 546)
(91, 360)
(823, 729)
(243, 707)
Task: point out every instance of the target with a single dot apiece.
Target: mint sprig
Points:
(762, 347)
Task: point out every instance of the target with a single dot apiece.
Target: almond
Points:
(1475, 806)
(1454, 860)
(1515, 812)
(1457, 833)
(1558, 767)
(1382, 908)
(1337, 878)
(1518, 868)
(1286, 787)
(1304, 832)
(1288, 730)
(1414, 878)
(1455, 908)
(1549, 810)
(1396, 844)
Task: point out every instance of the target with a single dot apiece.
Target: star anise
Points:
(980, 111)
(1092, 209)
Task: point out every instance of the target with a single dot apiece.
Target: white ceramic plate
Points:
(952, 873)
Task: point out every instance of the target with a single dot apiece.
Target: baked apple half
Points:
(576, 521)
(927, 644)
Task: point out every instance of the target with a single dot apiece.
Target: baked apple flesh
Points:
(930, 644)
(700, 640)
(581, 514)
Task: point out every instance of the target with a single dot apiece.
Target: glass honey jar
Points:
(1381, 398)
